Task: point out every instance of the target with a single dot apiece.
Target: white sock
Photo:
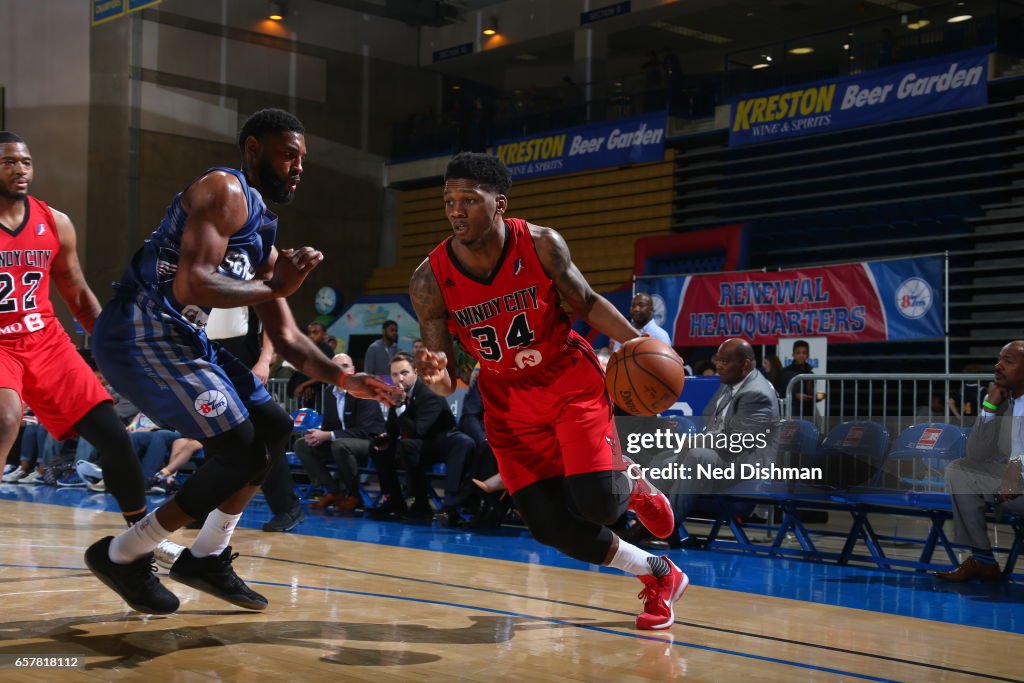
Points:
(215, 534)
(631, 559)
(138, 540)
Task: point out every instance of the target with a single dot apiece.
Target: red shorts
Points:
(45, 369)
(554, 422)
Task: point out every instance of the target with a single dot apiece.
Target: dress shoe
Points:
(972, 569)
(327, 501)
(691, 542)
(285, 521)
(389, 508)
(418, 512)
(348, 503)
(635, 534)
(450, 518)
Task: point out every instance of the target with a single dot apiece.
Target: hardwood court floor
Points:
(344, 610)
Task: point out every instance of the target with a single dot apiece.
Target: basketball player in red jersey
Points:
(38, 362)
(497, 285)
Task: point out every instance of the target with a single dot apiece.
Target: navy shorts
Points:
(171, 371)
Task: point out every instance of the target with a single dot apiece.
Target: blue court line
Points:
(586, 627)
(551, 620)
(719, 629)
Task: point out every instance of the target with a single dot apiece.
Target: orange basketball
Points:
(645, 376)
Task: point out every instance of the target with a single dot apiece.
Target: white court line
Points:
(63, 590)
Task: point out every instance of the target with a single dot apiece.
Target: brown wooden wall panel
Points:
(600, 213)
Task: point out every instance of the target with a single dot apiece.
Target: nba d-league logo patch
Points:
(211, 403)
(41, 228)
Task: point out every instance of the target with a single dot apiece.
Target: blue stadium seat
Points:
(920, 453)
(798, 442)
(853, 453)
(305, 419)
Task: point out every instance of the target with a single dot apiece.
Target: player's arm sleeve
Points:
(575, 290)
(67, 275)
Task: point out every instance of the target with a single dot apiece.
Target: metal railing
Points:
(905, 399)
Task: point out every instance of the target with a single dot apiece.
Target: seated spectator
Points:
(495, 503)
(745, 403)
(991, 472)
(155, 447)
(420, 434)
(345, 436)
(37, 449)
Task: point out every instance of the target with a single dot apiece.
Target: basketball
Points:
(645, 376)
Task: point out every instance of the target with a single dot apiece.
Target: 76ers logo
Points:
(914, 298)
(211, 403)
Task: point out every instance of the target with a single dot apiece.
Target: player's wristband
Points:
(344, 376)
(989, 406)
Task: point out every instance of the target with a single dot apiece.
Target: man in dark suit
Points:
(991, 471)
(349, 427)
(744, 404)
(421, 433)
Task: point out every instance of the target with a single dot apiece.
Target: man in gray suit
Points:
(745, 404)
(991, 471)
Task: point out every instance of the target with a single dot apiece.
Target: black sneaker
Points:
(215, 576)
(134, 581)
(285, 521)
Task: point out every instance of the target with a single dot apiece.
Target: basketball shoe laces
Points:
(224, 574)
(651, 595)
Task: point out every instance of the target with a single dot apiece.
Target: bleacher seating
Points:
(883, 491)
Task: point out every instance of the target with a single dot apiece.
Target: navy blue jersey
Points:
(153, 267)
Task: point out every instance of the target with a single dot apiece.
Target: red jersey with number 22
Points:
(26, 255)
(512, 322)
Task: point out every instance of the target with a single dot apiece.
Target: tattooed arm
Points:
(574, 288)
(432, 363)
(68, 278)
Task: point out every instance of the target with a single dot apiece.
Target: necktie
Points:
(723, 405)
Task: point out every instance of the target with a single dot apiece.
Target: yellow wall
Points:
(600, 213)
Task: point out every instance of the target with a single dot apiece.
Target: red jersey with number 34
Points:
(511, 322)
(26, 253)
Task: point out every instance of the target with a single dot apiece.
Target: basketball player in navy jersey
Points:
(497, 284)
(38, 362)
(213, 249)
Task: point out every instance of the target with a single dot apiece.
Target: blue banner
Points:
(894, 300)
(610, 143)
(453, 52)
(102, 11)
(616, 10)
(897, 92)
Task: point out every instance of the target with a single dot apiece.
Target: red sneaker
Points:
(660, 593)
(651, 507)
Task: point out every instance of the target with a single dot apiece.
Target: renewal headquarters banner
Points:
(611, 143)
(891, 300)
(898, 92)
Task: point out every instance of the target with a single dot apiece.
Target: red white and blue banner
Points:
(892, 300)
(897, 92)
(635, 140)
